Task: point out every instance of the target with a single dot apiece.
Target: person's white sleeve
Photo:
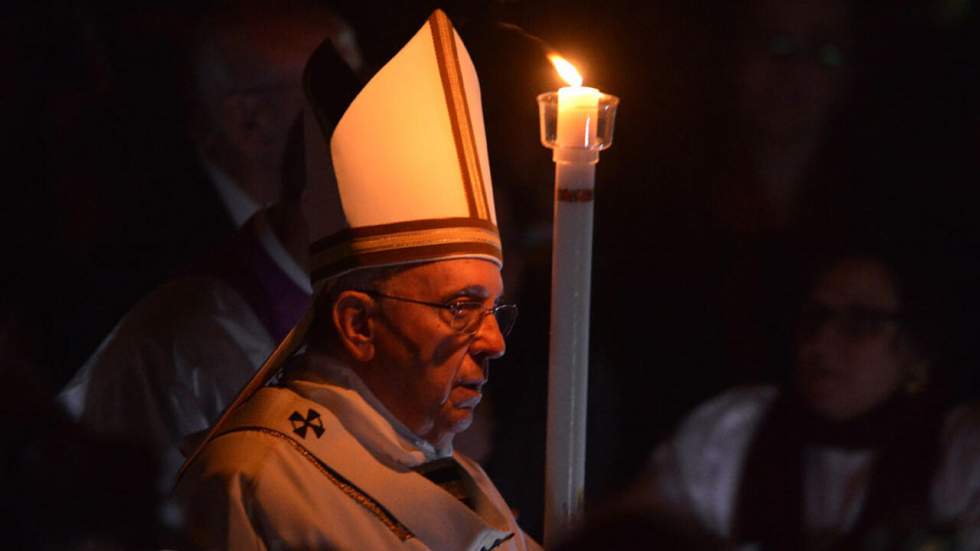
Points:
(170, 366)
(694, 476)
(956, 492)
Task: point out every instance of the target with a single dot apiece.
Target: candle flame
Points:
(566, 70)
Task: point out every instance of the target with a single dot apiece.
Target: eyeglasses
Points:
(467, 315)
(854, 322)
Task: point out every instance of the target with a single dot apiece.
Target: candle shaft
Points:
(569, 346)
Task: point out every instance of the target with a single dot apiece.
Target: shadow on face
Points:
(427, 372)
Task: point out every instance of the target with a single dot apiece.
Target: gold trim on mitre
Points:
(404, 242)
(444, 40)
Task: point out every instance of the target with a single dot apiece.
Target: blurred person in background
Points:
(144, 137)
(860, 449)
(175, 360)
(793, 69)
(714, 218)
(246, 61)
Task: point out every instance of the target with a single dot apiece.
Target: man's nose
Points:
(488, 340)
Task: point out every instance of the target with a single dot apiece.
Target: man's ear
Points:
(353, 318)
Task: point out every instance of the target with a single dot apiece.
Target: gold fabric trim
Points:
(459, 114)
(403, 240)
(362, 499)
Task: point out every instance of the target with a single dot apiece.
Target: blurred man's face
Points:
(434, 375)
(266, 69)
(852, 354)
(250, 83)
(793, 67)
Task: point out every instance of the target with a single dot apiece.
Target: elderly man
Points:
(352, 449)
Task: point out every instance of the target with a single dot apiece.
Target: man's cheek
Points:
(448, 348)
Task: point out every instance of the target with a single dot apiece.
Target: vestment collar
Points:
(359, 449)
(327, 381)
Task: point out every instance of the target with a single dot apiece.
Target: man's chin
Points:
(451, 424)
(462, 419)
(458, 420)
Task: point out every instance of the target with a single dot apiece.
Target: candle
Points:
(570, 126)
(578, 107)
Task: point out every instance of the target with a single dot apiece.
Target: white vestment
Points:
(170, 367)
(322, 464)
(177, 358)
(697, 473)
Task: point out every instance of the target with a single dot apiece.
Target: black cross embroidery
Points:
(312, 421)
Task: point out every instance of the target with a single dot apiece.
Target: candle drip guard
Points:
(588, 152)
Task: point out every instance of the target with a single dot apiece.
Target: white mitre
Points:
(410, 160)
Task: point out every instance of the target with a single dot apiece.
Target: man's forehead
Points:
(460, 277)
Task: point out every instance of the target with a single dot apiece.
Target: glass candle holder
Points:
(604, 121)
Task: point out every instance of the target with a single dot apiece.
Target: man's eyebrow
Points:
(474, 291)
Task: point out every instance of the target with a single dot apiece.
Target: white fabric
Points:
(403, 112)
(255, 490)
(835, 486)
(170, 366)
(356, 406)
(697, 472)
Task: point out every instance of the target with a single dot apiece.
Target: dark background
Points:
(100, 183)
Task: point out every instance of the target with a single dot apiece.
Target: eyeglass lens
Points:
(467, 319)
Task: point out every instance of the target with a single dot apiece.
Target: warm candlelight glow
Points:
(566, 70)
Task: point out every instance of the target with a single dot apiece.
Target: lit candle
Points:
(578, 108)
(570, 126)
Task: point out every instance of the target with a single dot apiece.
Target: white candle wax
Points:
(571, 281)
(574, 138)
(578, 109)
(568, 372)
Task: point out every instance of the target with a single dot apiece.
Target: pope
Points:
(351, 447)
